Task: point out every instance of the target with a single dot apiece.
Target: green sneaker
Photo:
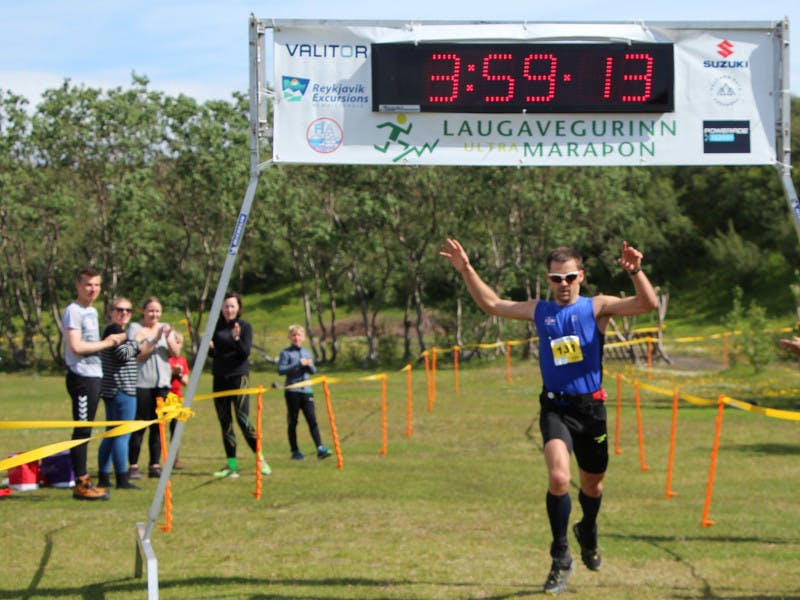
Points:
(264, 466)
(226, 471)
(590, 553)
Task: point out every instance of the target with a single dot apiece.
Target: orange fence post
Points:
(649, 358)
(639, 425)
(409, 400)
(428, 381)
(384, 436)
(259, 430)
(456, 350)
(433, 377)
(167, 526)
(508, 362)
(617, 449)
(713, 468)
(337, 446)
(672, 435)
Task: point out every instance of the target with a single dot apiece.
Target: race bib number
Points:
(566, 350)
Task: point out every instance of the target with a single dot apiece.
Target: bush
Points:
(750, 325)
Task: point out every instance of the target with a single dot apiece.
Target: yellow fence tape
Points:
(172, 409)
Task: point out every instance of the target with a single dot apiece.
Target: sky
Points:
(201, 48)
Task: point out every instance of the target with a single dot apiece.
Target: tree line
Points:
(146, 187)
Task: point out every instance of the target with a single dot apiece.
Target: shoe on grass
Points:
(85, 490)
(264, 467)
(590, 553)
(297, 455)
(556, 582)
(226, 471)
(323, 452)
(134, 472)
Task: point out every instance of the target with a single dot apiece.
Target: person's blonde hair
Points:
(293, 328)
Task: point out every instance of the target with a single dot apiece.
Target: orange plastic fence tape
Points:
(617, 449)
(259, 447)
(672, 436)
(713, 467)
(334, 434)
(639, 425)
(167, 526)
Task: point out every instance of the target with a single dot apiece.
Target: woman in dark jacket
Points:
(230, 348)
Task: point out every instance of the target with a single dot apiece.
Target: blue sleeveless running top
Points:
(570, 347)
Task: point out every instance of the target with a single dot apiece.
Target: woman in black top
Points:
(230, 348)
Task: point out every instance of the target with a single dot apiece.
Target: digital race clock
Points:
(475, 77)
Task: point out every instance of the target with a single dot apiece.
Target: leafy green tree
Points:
(200, 182)
(751, 339)
(100, 148)
(30, 240)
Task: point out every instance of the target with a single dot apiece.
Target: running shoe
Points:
(556, 582)
(226, 471)
(590, 553)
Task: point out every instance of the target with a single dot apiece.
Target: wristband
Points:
(633, 272)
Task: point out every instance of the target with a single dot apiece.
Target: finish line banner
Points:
(568, 94)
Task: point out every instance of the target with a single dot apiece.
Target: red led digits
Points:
(492, 77)
(453, 77)
(549, 77)
(607, 78)
(646, 77)
(506, 77)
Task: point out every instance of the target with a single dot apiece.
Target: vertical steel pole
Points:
(256, 38)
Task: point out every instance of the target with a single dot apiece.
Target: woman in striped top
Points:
(119, 395)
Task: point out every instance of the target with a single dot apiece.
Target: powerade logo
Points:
(726, 137)
(294, 88)
(726, 49)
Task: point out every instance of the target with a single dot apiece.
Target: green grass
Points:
(454, 511)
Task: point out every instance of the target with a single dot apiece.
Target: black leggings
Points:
(227, 406)
(146, 411)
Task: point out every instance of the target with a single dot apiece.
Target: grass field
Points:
(456, 510)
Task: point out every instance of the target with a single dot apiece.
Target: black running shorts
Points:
(581, 424)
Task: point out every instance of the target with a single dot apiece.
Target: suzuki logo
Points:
(725, 49)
